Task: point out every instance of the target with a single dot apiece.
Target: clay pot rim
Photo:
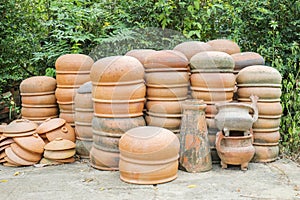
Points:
(265, 85)
(270, 116)
(166, 99)
(163, 100)
(84, 139)
(148, 162)
(37, 93)
(119, 115)
(193, 71)
(212, 89)
(261, 100)
(118, 101)
(152, 114)
(168, 86)
(107, 134)
(170, 69)
(65, 102)
(118, 83)
(265, 144)
(39, 105)
(39, 118)
(261, 130)
(72, 72)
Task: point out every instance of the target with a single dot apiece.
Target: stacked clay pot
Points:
(245, 59)
(224, 45)
(38, 98)
(118, 96)
(264, 82)
(72, 70)
(20, 144)
(190, 48)
(83, 119)
(148, 155)
(213, 81)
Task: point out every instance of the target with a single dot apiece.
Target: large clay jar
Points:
(43, 99)
(164, 107)
(65, 94)
(166, 76)
(74, 62)
(68, 115)
(148, 155)
(39, 112)
(71, 79)
(235, 150)
(246, 59)
(170, 92)
(224, 45)
(266, 137)
(38, 85)
(83, 98)
(210, 95)
(213, 80)
(265, 94)
(190, 48)
(265, 152)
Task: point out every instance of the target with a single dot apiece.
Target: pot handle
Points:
(64, 129)
(254, 100)
(219, 138)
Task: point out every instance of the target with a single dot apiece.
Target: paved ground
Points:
(276, 180)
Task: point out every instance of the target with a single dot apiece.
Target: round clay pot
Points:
(265, 152)
(74, 62)
(104, 160)
(212, 61)
(162, 120)
(119, 92)
(33, 143)
(148, 155)
(25, 154)
(83, 148)
(83, 130)
(212, 95)
(265, 124)
(47, 99)
(164, 107)
(20, 126)
(106, 141)
(39, 112)
(264, 93)
(83, 115)
(117, 69)
(268, 109)
(83, 97)
(224, 45)
(213, 80)
(259, 75)
(190, 48)
(246, 59)
(59, 144)
(38, 84)
(65, 94)
(140, 54)
(72, 78)
(166, 76)
(66, 105)
(60, 154)
(166, 59)
(266, 137)
(118, 108)
(155, 92)
(16, 159)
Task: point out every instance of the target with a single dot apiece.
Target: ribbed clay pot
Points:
(65, 94)
(171, 122)
(72, 78)
(106, 141)
(104, 160)
(68, 106)
(38, 84)
(68, 116)
(213, 80)
(171, 92)
(83, 115)
(224, 45)
(266, 137)
(83, 130)
(46, 99)
(83, 148)
(83, 97)
(266, 109)
(266, 124)
(166, 76)
(164, 107)
(245, 59)
(190, 48)
(39, 111)
(212, 95)
(140, 54)
(271, 94)
(265, 152)
(74, 62)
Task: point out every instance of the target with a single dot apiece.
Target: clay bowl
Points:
(118, 108)
(74, 62)
(66, 105)
(65, 94)
(190, 48)
(265, 152)
(264, 93)
(25, 154)
(32, 143)
(38, 84)
(83, 100)
(212, 95)
(140, 54)
(48, 99)
(213, 80)
(266, 137)
(83, 115)
(71, 78)
(119, 92)
(106, 142)
(67, 115)
(224, 45)
(164, 107)
(162, 120)
(20, 126)
(83, 148)
(212, 61)
(16, 159)
(166, 76)
(39, 112)
(246, 59)
(59, 154)
(59, 144)
(264, 124)
(168, 91)
(104, 160)
(117, 69)
(83, 130)
(166, 59)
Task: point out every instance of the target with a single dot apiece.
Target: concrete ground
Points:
(276, 180)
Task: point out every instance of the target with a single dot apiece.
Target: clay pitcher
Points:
(195, 153)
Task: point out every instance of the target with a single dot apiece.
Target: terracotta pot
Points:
(38, 84)
(211, 125)
(117, 69)
(264, 93)
(266, 109)
(66, 160)
(83, 130)
(148, 155)
(83, 148)
(190, 48)
(118, 108)
(83, 115)
(167, 76)
(74, 62)
(20, 126)
(224, 45)
(106, 141)
(246, 59)
(47, 99)
(72, 78)
(212, 95)
(266, 124)
(25, 154)
(61, 154)
(119, 92)
(265, 152)
(6, 141)
(213, 80)
(167, 91)
(140, 54)
(165, 121)
(32, 143)
(235, 150)
(266, 137)
(68, 116)
(164, 107)
(104, 160)
(166, 59)
(211, 110)
(65, 94)
(259, 75)
(16, 159)
(66, 105)
(83, 97)
(59, 144)
(39, 112)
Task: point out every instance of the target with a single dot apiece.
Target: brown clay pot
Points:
(67, 115)
(6, 141)
(190, 48)
(83, 115)
(65, 94)
(83, 97)
(72, 78)
(140, 54)
(74, 62)
(25, 154)
(60, 154)
(32, 143)
(265, 152)
(16, 159)
(83, 148)
(104, 160)
(47, 99)
(224, 45)
(38, 84)
(246, 59)
(164, 107)
(59, 144)
(235, 150)
(213, 80)
(106, 141)
(83, 130)
(211, 110)
(264, 93)
(212, 95)
(168, 91)
(19, 126)
(171, 122)
(266, 137)
(66, 105)
(266, 124)
(39, 112)
(166, 76)
(66, 160)
(148, 155)
(266, 109)
(117, 69)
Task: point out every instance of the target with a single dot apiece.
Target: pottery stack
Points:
(213, 81)
(83, 119)
(118, 96)
(264, 82)
(224, 45)
(190, 48)
(245, 59)
(72, 70)
(38, 98)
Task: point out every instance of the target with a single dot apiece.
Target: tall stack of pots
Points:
(38, 98)
(264, 82)
(118, 96)
(83, 119)
(212, 81)
(72, 70)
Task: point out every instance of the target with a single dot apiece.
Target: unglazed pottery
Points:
(164, 107)
(171, 122)
(66, 105)
(59, 144)
(224, 45)
(83, 115)
(83, 130)
(65, 94)
(68, 116)
(20, 126)
(167, 91)
(265, 152)
(212, 94)
(104, 160)
(106, 141)
(83, 148)
(190, 48)
(266, 124)
(59, 154)
(47, 99)
(16, 159)
(25, 154)
(271, 94)
(38, 84)
(72, 78)
(271, 109)
(167, 76)
(32, 143)
(213, 80)
(266, 137)
(140, 54)
(245, 59)
(38, 112)
(74, 62)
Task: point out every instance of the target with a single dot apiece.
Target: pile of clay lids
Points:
(60, 151)
(20, 145)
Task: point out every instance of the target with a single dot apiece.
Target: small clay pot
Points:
(39, 112)
(68, 116)
(140, 54)
(83, 130)
(16, 159)
(264, 93)
(104, 160)
(71, 78)
(266, 137)
(83, 148)
(20, 126)
(162, 120)
(224, 45)
(32, 143)
(65, 94)
(83, 115)
(265, 152)
(190, 48)
(246, 59)
(164, 107)
(83, 97)
(38, 84)
(60, 154)
(166, 76)
(212, 95)
(47, 99)
(74, 62)
(167, 91)
(59, 144)
(213, 80)
(25, 154)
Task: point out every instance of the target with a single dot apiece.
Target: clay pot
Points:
(38, 84)
(83, 97)
(213, 80)
(265, 152)
(271, 94)
(166, 59)
(65, 94)
(259, 75)
(266, 109)
(104, 160)
(190, 48)
(118, 108)
(119, 92)
(148, 155)
(83, 130)
(72, 78)
(224, 45)
(266, 124)
(25, 154)
(117, 69)
(83, 148)
(32, 143)
(39, 112)
(74, 62)
(67, 115)
(140, 54)
(211, 110)
(106, 141)
(171, 122)
(59, 144)
(60, 154)
(246, 59)
(170, 92)
(83, 115)
(212, 95)
(266, 137)
(6, 142)
(16, 159)
(47, 99)
(167, 76)
(19, 126)
(235, 150)
(164, 107)
(66, 105)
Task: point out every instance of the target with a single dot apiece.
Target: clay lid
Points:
(38, 84)
(61, 154)
(2, 155)
(24, 154)
(2, 127)
(20, 126)
(10, 163)
(6, 142)
(245, 59)
(190, 48)
(60, 144)
(67, 160)
(140, 54)
(85, 88)
(32, 143)
(4, 147)
(74, 62)
(66, 132)
(50, 124)
(19, 134)
(16, 159)
(224, 45)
